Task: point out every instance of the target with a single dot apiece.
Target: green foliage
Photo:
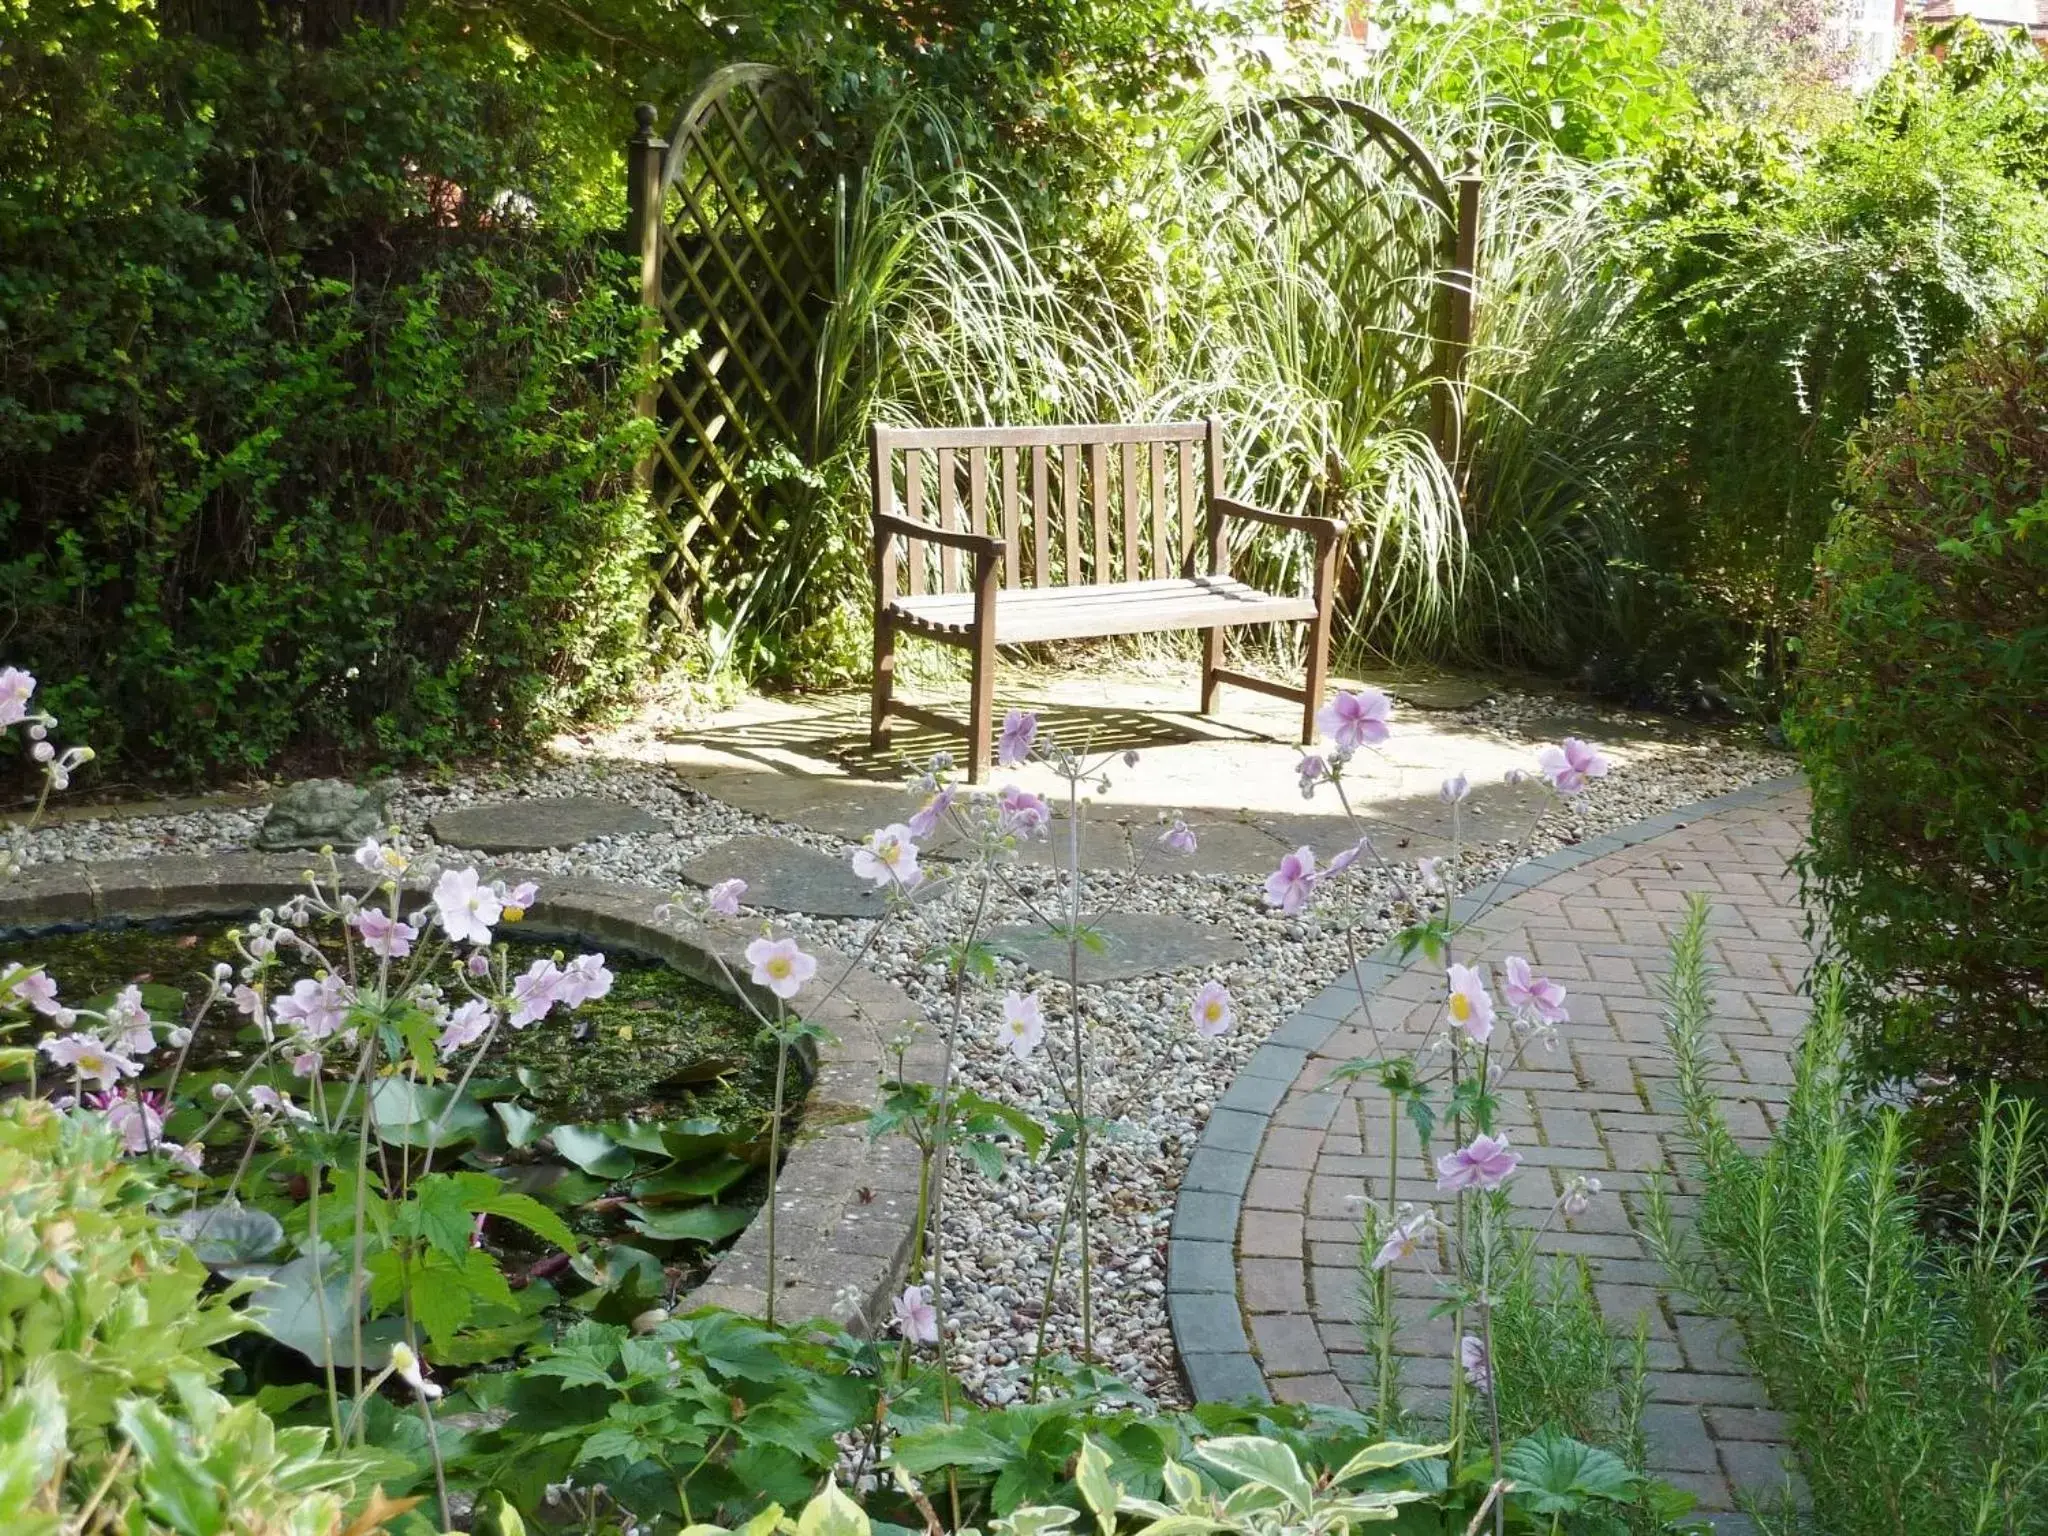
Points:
(1906, 1342)
(1754, 58)
(1789, 290)
(1587, 77)
(106, 1363)
(710, 1409)
(1919, 718)
(1556, 1364)
(315, 401)
(700, 1419)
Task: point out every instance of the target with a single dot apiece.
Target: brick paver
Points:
(1265, 1271)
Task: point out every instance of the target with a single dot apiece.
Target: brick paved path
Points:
(1265, 1275)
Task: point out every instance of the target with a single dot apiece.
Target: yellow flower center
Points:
(778, 967)
(1461, 1007)
(1212, 1010)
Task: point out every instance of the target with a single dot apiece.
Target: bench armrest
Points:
(973, 543)
(1324, 530)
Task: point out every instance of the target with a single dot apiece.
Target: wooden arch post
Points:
(646, 153)
(1457, 307)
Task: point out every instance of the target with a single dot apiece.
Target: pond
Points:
(641, 1119)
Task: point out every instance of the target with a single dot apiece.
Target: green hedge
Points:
(1922, 717)
(316, 417)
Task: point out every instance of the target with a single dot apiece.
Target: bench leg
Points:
(981, 714)
(884, 684)
(1212, 658)
(1318, 671)
(1319, 640)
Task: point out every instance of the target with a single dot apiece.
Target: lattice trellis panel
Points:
(741, 270)
(1345, 200)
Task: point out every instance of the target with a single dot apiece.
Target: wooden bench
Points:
(1070, 532)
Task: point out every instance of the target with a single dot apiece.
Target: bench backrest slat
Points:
(949, 557)
(1013, 522)
(1041, 514)
(1144, 488)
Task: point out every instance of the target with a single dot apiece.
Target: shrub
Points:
(1914, 1367)
(1922, 717)
(316, 420)
(105, 1345)
(1791, 288)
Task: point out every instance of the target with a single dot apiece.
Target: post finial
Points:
(644, 116)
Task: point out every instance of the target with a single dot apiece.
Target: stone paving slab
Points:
(785, 876)
(1121, 946)
(1264, 1269)
(529, 826)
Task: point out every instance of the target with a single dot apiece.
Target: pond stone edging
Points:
(1209, 1338)
(845, 1203)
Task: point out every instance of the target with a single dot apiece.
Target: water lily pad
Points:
(551, 1183)
(640, 1135)
(592, 1151)
(407, 1113)
(695, 1181)
(695, 1137)
(698, 1224)
(232, 1233)
(307, 1311)
(522, 1126)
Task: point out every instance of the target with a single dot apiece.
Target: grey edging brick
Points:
(1216, 1360)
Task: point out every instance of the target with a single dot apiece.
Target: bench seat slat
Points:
(1031, 614)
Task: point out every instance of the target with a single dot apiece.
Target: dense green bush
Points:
(1922, 717)
(1587, 77)
(1791, 286)
(315, 402)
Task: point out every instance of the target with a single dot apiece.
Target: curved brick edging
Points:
(844, 1204)
(1260, 1208)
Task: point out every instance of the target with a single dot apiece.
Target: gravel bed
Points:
(1150, 1072)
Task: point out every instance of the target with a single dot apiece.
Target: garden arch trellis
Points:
(1366, 208)
(731, 218)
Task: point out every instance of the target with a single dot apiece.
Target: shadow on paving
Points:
(838, 733)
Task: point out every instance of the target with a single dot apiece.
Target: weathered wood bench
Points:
(1005, 560)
